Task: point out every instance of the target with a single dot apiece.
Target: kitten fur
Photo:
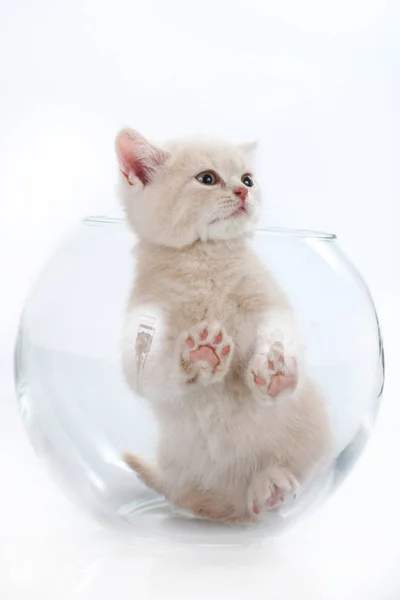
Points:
(237, 433)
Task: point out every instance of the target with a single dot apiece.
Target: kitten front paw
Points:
(270, 489)
(206, 353)
(270, 374)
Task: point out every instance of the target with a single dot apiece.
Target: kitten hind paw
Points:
(270, 489)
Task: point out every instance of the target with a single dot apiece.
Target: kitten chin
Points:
(229, 228)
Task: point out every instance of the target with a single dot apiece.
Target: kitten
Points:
(241, 426)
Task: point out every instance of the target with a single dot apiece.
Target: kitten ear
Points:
(249, 148)
(138, 159)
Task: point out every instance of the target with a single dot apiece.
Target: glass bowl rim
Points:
(100, 220)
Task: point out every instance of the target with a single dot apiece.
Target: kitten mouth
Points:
(239, 211)
(236, 213)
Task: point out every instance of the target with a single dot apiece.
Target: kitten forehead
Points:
(208, 153)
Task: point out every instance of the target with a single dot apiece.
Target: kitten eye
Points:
(247, 180)
(208, 178)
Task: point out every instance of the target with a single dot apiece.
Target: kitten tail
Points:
(146, 472)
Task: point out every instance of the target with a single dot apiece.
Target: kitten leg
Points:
(270, 488)
(205, 353)
(203, 504)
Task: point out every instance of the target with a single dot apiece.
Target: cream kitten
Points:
(241, 426)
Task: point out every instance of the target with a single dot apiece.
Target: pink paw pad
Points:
(280, 383)
(272, 373)
(277, 498)
(271, 489)
(208, 349)
(207, 352)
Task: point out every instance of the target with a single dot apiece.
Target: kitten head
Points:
(200, 189)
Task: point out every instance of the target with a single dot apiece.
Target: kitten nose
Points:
(241, 193)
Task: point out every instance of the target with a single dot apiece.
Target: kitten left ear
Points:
(138, 159)
(249, 148)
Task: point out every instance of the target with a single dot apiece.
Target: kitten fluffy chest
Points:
(213, 281)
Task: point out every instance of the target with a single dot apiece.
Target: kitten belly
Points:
(220, 435)
(206, 453)
(221, 440)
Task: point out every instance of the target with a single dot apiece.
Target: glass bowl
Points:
(81, 416)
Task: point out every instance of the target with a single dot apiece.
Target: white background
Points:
(317, 83)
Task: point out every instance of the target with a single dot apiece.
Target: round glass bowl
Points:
(81, 416)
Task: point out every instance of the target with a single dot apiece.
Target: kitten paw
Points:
(206, 353)
(270, 489)
(271, 373)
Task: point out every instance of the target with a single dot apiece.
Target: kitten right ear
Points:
(138, 159)
(249, 149)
